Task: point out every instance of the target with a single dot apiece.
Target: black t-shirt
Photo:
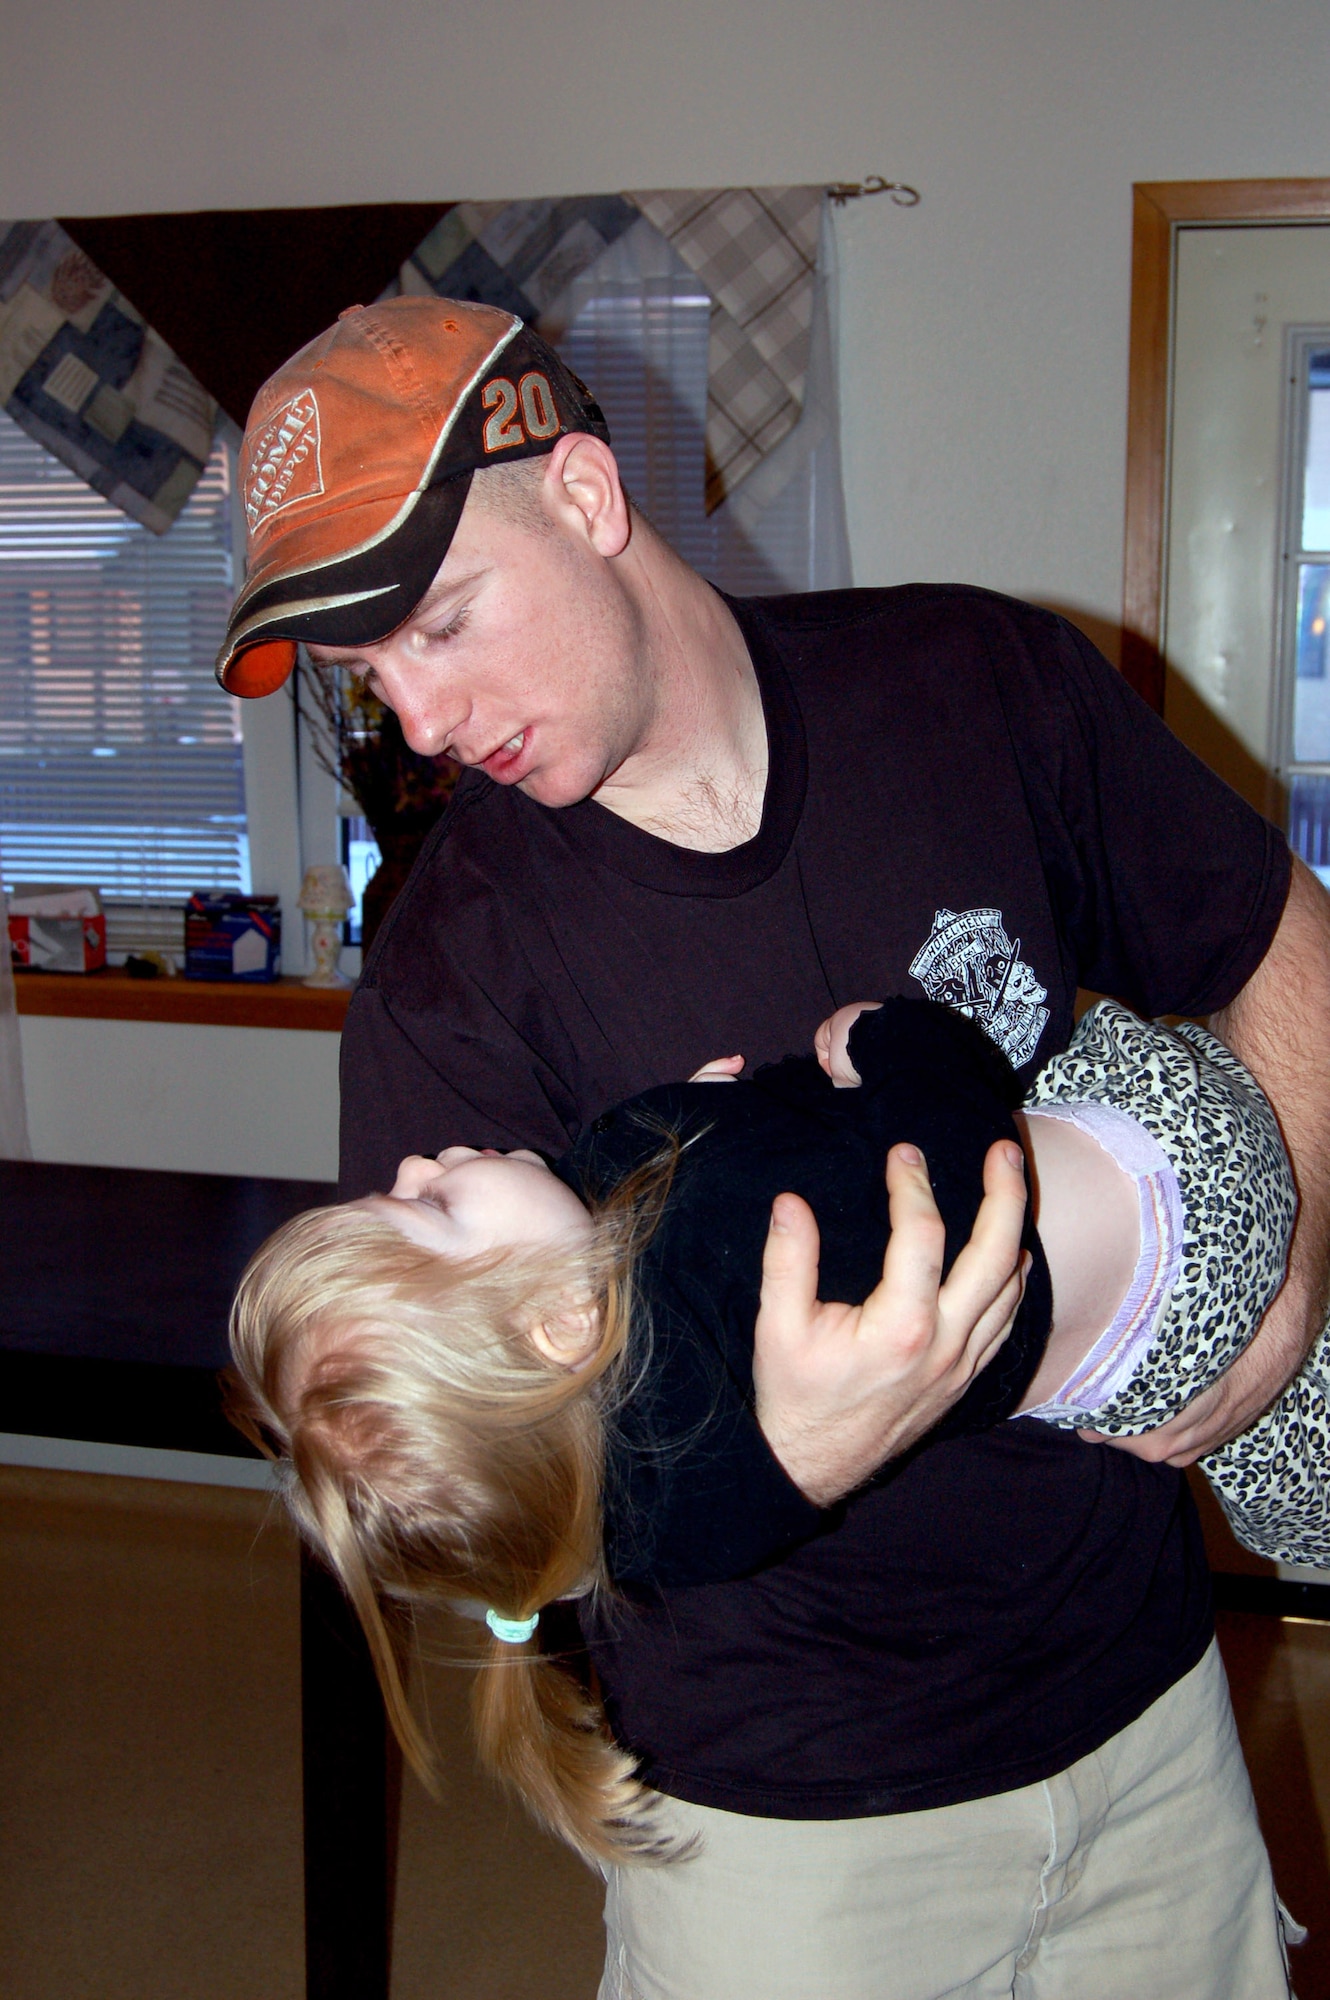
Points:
(693, 1492)
(964, 801)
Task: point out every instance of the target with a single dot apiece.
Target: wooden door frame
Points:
(1159, 210)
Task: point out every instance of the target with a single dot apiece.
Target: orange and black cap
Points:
(357, 461)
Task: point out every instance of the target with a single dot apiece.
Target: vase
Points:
(397, 855)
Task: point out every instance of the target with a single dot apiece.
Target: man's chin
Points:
(550, 789)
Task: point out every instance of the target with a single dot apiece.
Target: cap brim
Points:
(259, 669)
(355, 601)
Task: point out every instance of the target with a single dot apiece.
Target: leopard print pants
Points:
(1210, 1117)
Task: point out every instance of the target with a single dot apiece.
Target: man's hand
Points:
(1227, 1407)
(1280, 1026)
(840, 1388)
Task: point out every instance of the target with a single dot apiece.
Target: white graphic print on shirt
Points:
(970, 963)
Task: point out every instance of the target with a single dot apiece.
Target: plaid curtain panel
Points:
(83, 374)
(754, 249)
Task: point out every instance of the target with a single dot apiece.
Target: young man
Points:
(1012, 1758)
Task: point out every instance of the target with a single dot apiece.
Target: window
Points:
(121, 761)
(640, 343)
(360, 857)
(1302, 724)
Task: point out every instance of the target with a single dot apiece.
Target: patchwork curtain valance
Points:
(127, 393)
(82, 373)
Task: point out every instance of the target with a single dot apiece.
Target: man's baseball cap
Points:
(357, 461)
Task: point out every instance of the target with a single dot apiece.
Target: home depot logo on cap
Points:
(357, 461)
(282, 463)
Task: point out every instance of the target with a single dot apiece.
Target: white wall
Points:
(984, 334)
(198, 1099)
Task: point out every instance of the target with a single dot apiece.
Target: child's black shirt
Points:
(694, 1493)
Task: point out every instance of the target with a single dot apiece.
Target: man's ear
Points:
(568, 1338)
(583, 488)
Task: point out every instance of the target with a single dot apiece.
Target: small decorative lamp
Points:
(325, 898)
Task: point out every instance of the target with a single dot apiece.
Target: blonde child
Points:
(507, 1386)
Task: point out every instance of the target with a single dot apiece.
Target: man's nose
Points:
(429, 711)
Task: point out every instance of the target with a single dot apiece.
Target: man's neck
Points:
(699, 778)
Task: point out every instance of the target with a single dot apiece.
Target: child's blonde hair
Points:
(441, 1459)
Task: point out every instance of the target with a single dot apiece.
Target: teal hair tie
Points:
(511, 1630)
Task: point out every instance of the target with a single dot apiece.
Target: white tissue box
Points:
(56, 927)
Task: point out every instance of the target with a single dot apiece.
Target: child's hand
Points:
(831, 1043)
(721, 1069)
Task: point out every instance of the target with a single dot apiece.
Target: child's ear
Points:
(568, 1337)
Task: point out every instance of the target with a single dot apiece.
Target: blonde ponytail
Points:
(439, 1459)
(544, 1735)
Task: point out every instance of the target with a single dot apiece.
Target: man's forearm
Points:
(1280, 1026)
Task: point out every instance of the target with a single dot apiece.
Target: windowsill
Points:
(111, 995)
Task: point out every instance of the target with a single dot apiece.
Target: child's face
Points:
(466, 1202)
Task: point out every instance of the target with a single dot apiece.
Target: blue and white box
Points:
(229, 936)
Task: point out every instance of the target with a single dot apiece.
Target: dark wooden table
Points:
(115, 1285)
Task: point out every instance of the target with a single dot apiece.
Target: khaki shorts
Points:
(1137, 1874)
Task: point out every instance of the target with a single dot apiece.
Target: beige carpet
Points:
(150, 1774)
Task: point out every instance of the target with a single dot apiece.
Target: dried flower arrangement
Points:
(359, 742)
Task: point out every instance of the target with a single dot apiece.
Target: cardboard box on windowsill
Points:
(56, 927)
(230, 937)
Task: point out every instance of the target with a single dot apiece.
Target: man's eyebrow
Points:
(326, 657)
(437, 594)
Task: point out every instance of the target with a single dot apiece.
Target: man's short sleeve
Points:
(1167, 886)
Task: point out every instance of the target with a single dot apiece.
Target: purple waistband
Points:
(1124, 1344)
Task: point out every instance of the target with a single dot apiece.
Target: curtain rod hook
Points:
(901, 194)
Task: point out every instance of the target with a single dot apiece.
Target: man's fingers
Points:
(1223, 1411)
(993, 1326)
(1141, 1444)
(1204, 1423)
(1004, 1166)
(1001, 1216)
(1161, 1447)
(992, 1257)
(906, 1297)
(789, 1270)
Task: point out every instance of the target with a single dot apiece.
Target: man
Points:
(973, 1741)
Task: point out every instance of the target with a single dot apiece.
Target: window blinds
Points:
(120, 758)
(637, 326)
